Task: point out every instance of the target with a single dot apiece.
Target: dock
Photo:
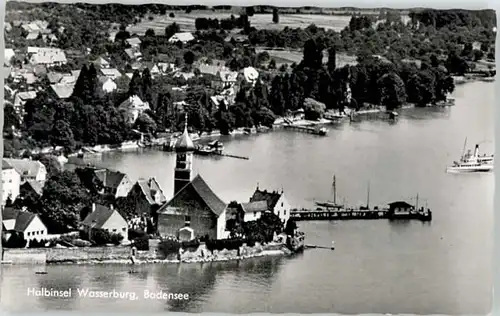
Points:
(233, 156)
(360, 214)
(307, 129)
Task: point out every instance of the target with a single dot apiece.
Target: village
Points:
(124, 91)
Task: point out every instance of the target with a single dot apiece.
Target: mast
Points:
(334, 191)
(368, 197)
(416, 203)
(463, 150)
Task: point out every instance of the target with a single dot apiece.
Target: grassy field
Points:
(259, 21)
(289, 57)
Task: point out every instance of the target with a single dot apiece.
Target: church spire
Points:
(185, 143)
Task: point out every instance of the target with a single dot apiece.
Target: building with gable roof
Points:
(147, 196)
(27, 224)
(105, 218)
(182, 37)
(28, 169)
(11, 182)
(252, 211)
(134, 42)
(105, 181)
(134, 107)
(48, 56)
(276, 202)
(194, 204)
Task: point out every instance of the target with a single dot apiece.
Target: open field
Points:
(295, 56)
(259, 21)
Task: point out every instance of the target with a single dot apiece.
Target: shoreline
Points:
(264, 253)
(146, 261)
(131, 145)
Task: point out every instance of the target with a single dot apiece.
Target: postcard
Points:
(249, 158)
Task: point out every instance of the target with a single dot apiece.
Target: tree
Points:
(171, 29)
(171, 15)
(313, 110)
(189, 58)
(135, 85)
(276, 17)
(392, 91)
(62, 199)
(250, 11)
(332, 58)
(150, 33)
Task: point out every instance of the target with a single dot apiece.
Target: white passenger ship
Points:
(472, 162)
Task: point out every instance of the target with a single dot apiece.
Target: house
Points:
(399, 208)
(225, 80)
(20, 100)
(133, 53)
(28, 169)
(147, 196)
(183, 37)
(8, 55)
(276, 202)
(111, 73)
(102, 63)
(195, 206)
(105, 181)
(31, 187)
(27, 224)
(253, 210)
(251, 75)
(7, 26)
(68, 79)
(185, 75)
(11, 182)
(107, 85)
(54, 77)
(29, 77)
(62, 91)
(112, 36)
(134, 107)
(213, 70)
(48, 56)
(238, 38)
(31, 36)
(105, 218)
(134, 42)
(75, 74)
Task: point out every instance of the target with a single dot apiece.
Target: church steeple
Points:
(184, 148)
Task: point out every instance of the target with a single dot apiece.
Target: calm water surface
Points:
(443, 267)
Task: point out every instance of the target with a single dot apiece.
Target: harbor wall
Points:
(122, 254)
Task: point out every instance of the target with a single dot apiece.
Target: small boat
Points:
(472, 162)
(393, 115)
(322, 131)
(213, 148)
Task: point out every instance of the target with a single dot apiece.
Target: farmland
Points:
(259, 21)
(295, 56)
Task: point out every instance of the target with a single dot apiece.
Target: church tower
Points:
(184, 148)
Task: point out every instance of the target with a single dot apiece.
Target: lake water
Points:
(442, 267)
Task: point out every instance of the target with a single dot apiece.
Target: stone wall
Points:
(122, 254)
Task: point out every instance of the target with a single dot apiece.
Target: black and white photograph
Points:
(233, 157)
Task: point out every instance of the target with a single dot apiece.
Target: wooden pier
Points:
(308, 129)
(352, 214)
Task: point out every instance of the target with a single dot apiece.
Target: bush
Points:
(220, 244)
(16, 240)
(141, 243)
(192, 244)
(102, 237)
(37, 243)
(169, 246)
(136, 233)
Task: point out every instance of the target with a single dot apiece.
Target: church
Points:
(195, 210)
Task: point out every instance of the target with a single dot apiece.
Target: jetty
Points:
(322, 131)
(395, 211)
(331, 210)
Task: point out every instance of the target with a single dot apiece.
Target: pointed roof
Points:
(22, 219)
(198, 188)
(98, 217)
(185, 143)
(270, 197)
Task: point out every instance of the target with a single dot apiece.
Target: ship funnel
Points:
(476, 151)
